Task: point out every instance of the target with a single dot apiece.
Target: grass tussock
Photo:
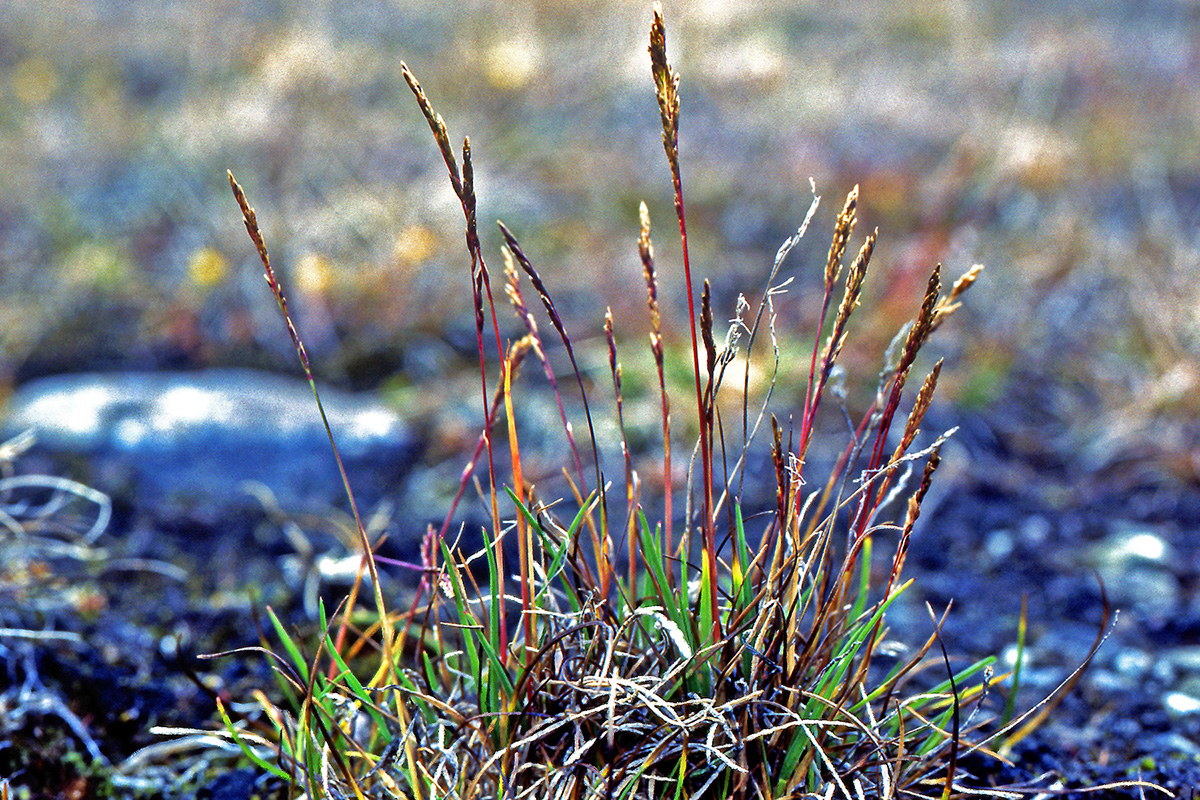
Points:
(700, 654)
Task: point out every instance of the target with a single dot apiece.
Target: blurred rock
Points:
(191, 442)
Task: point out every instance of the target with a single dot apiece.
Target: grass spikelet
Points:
(631, 492)
(918, 332)
(920, 406)
(368, 560)
(850, 301)
(710, 346)
(438, 126)
(924, 323)
(548, 303)
(646, 253)
(950, 303)
(911, 515)
(842, 228)
(818, 377)
(512, 287)
(666, 83)
(556, 321)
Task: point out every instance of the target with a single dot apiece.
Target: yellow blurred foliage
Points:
(96, 266)
(207, 268)
(314, 274)
(510, 65)
(34, 81)
(414, 245)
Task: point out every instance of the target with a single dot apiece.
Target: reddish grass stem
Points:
(667, 84)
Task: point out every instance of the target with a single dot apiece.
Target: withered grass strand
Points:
(631, 494)
(525, 315)
(913, 510)
(767, 303)
(646, 253)
(557, 322)
(516, 352)
(368, 560)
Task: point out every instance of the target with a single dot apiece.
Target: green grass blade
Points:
(1010, 703)
(497, 677)
(844, 658)
(674, 606)
(963, 674)
(467, 621)
(682, 774)
(246, 749)
(742, 590)
(558, 551)
(791, 759)
(356, 687)
(864, 579)
(290, 645)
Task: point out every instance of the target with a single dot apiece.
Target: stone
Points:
(197, 442)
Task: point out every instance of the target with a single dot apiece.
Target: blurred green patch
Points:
(97, 266)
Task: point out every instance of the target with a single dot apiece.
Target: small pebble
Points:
(1133, 663)
(1181, 704)
(1184, 659)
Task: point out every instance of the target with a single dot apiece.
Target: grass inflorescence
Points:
(699, 654)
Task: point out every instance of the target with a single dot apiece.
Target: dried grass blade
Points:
(646, 252)
(368, 560)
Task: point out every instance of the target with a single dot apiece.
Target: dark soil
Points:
(1017, 516)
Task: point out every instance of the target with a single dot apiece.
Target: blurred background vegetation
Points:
(1056, 142)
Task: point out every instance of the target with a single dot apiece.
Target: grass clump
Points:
(701, 655)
